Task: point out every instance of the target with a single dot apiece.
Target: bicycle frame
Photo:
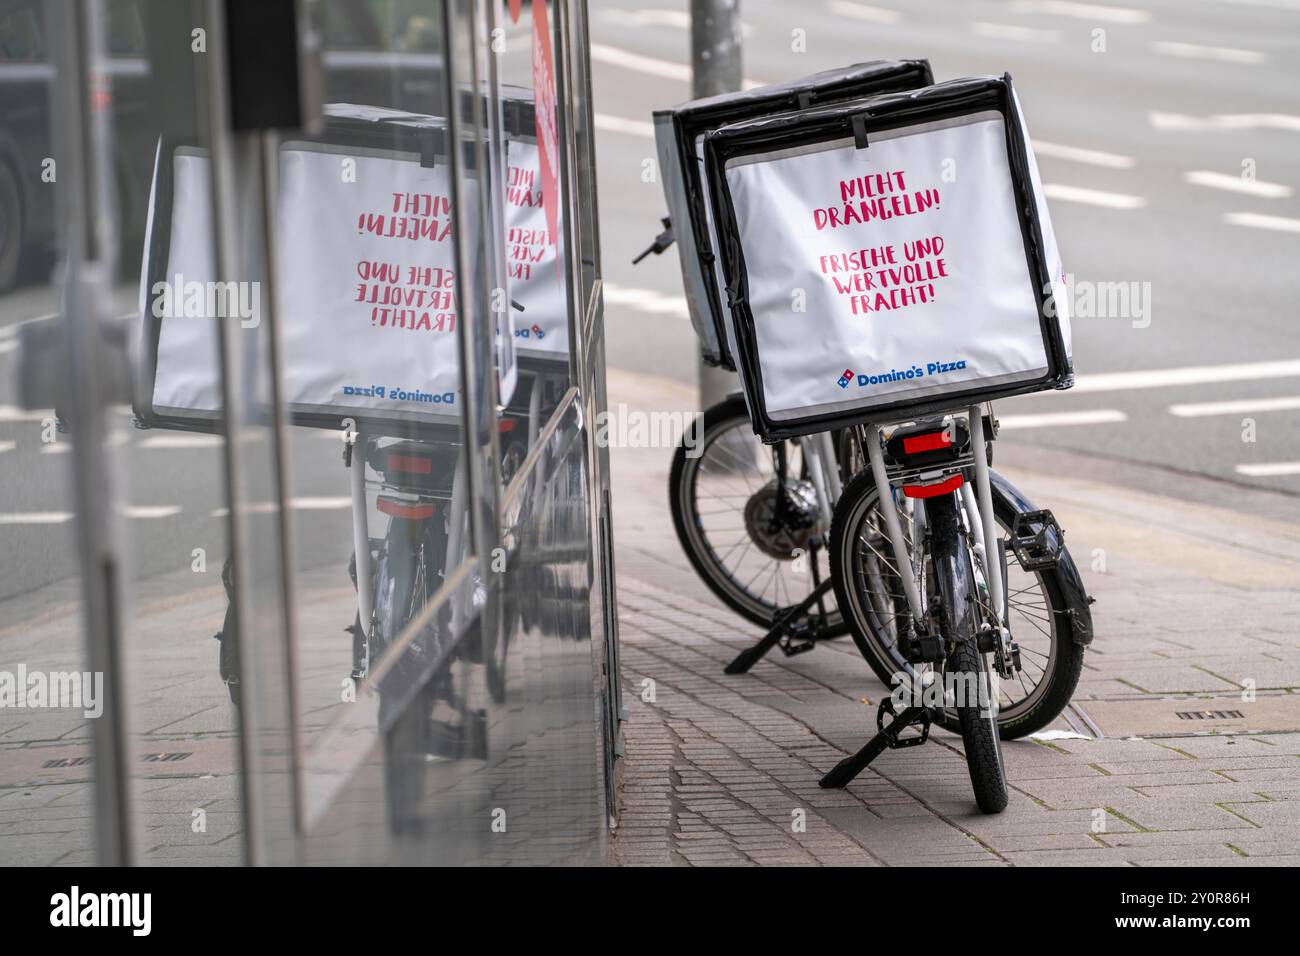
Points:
(977, 504)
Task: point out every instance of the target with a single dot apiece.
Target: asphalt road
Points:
(1142, 149)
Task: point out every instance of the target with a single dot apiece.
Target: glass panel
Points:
(46, 760)
(374, 219)
(149, 525)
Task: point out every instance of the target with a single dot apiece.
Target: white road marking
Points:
(1006, 31)
(12, 413)
(1093, 197)
(613, 56)
(1099, 416)
(1075, 154)
(1237, 184)
(337, 503)
(655, 17)
(152, 511)
(666, 69)
(8, 345)
(1274, 4)
(1194, 51)
(616, 124)
(1189, 375)
(1271, 469)
(1224, 121)
(56, 448)
(646, 300)
(36, 517)
(1083, 11)
(860, 11)
(181, 441)
(1260, 221)
(7, 446)
(1236, 407)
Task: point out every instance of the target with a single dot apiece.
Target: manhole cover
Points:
(1185, 717)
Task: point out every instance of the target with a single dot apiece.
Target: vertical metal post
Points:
(80, 125)
(716, 67)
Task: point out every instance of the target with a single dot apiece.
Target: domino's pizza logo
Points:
(846, 378)
(537, 331)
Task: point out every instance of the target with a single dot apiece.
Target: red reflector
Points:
(412, 464)
(933, 491)
(506, 425)
(931, 442)
(398, 509)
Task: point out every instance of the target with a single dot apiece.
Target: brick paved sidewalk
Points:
(1192, 609)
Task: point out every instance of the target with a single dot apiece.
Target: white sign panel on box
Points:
(887, 264)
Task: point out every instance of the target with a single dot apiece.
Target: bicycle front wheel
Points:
(965, 675)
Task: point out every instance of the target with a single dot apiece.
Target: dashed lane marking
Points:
(1237, 184)
(36, 517)
(1188, 375)
(1244, 406)
(1098, 416)
(1094, 157)
(646, 300)
(1222, 54)
(1182, 122)
(1092, 197)
(1256, 220)
(617, 124)
(1093, 12)
(1007, 31)
(1274, 469)
(869, 14)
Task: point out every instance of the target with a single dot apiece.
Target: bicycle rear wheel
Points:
(746, 515)
(868, 588)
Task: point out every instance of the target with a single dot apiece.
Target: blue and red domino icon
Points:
(846, 378)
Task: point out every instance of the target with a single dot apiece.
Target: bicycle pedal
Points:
(791, 647)
(1037, 540)
(895, 741)
(924, 649)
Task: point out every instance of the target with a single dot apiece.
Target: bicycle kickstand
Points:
(783, 628)
(886, 738)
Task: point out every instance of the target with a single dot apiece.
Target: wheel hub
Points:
(782, 520)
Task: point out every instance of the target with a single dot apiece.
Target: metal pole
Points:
(715, 68)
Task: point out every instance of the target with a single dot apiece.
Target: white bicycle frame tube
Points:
(361, 528)
(992, 562)
(973, 516)
(834, 485)
(885, 494)
(812, 457)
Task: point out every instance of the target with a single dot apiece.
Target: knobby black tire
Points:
(988, 776)
(859, 499)
(681, 501)
(954, 579)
